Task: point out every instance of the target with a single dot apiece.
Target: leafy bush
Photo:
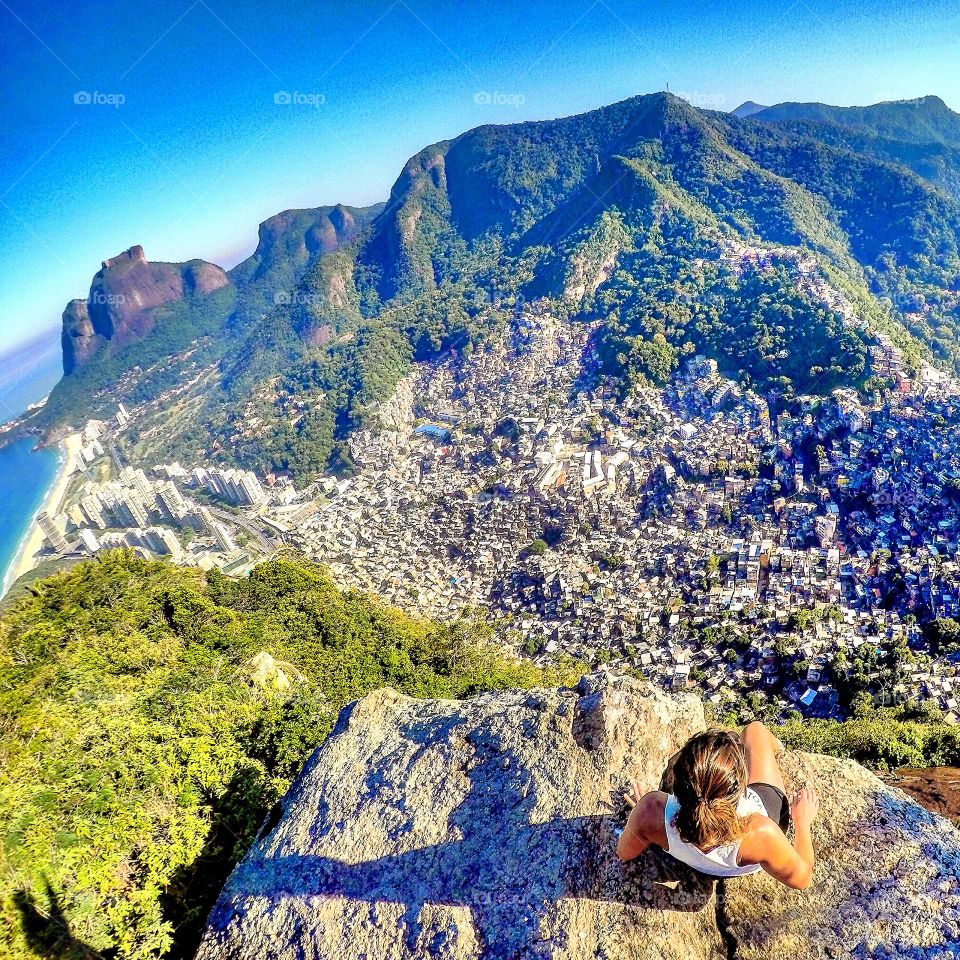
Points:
(883, 739)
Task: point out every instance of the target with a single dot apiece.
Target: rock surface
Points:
(123, 295)
(937, 788)
(79, 340)
(485, 828)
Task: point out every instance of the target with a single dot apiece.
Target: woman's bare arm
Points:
(768, 846)
(640, 830)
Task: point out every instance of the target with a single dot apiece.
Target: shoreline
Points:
(33, 540)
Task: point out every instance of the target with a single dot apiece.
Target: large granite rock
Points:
(123, 297)
(79, 340)
(440, 829)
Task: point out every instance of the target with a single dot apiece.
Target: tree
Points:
(943, 634)
(861, 705)
(537, 547)
(652, 360)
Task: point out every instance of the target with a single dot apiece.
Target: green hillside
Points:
(151, 715)
(636, 214)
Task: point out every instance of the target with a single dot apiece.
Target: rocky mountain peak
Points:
(486, 828)
(123, 295)
(748, 108)
(134, 255)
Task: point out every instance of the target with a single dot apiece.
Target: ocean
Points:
(27, 374)
(27, 475)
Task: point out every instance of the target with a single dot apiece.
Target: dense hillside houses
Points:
(688, 533)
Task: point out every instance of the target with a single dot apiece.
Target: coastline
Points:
(25, 559)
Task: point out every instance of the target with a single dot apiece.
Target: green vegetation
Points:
(760, 326)
(537, 547)
(883, 739)
(141, 742)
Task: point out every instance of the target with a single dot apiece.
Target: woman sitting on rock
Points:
(727, 814)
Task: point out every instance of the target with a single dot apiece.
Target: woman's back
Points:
(727, 804)
(721, 861)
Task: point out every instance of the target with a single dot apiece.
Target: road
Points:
(268, 543)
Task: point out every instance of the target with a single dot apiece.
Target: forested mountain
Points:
(923, 120)
(681, 230)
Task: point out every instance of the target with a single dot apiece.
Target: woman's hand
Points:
(633, 798)
(805, 807)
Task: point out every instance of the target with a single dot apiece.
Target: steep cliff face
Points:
(122, 298)
(485, 829)
(79, 340)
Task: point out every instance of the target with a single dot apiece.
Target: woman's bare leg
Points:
(761, 748)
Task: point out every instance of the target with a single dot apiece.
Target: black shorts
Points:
(775, 801)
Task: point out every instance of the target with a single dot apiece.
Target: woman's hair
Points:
(709, 778)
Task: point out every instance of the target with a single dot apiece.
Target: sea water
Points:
(27, 374)
(26, 476)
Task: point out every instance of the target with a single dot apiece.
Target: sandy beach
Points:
(33, 542)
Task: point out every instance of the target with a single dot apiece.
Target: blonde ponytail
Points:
(709, 778)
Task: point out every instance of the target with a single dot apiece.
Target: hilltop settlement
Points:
(790, 560)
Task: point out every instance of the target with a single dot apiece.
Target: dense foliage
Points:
(141, 742)
(884, 739)
(760, 326)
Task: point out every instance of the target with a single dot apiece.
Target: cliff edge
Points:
(484, 828)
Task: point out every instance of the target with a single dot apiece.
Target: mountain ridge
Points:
(922, 119)
(592, 212)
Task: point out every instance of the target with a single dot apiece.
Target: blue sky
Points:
(183, 149)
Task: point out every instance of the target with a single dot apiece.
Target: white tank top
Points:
(720, 861)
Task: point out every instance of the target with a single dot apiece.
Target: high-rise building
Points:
(162, 540)
(51, 530)
(223, 537)
(251, 488)
(90, 540)
(170, 500)
(133, 507)
(133, 478)
(134, 537)
(237, 486)
(93, 511)
(207, 517)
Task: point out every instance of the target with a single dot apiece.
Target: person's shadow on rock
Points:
(48, 934)
(509, 869)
